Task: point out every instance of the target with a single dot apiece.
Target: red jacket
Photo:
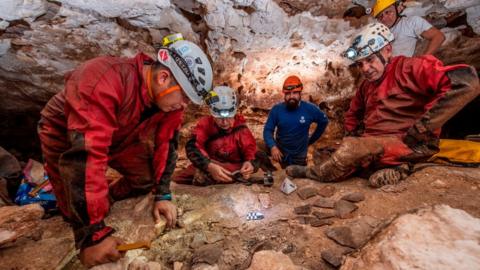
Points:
(408, 89)
(103, 108)
(235, 147)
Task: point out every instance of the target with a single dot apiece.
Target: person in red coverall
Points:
(396, 115)
(124, 113)
(222, 144)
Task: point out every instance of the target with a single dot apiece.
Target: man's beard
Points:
(292, 104)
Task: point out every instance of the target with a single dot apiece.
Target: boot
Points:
(388, 176)
(296, 171)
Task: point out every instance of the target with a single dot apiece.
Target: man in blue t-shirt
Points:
(292, 119)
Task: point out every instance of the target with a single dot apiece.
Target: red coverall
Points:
(237, 146)
(413, 99)
(105, 117)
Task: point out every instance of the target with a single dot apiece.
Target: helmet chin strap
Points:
(161, 94)
(384, 62)
(167, 91)
(149, 83)
(382, 59)
(397, 14)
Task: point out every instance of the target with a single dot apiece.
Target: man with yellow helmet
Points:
(407, 30)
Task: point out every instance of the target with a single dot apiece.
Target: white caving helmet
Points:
(227, 103)
(371, 39)
(190, 67)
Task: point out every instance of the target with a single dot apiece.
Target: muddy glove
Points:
(414, 137)
(424, 144)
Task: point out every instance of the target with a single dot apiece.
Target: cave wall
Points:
(254, 45)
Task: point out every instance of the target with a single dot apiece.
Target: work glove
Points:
(423, 145)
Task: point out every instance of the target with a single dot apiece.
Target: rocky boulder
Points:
(438, 237)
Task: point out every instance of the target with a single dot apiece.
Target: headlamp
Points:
(224, 113)
(350, 53)
(167, 40)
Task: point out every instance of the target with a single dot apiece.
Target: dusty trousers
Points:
(359, 152)
(133, 159)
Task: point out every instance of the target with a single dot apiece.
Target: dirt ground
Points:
(219, 212)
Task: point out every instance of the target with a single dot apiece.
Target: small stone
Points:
(207, 254)
(307, 192)
(177, 266)
(322, 215)
(321, 222)
(302, 219)
(334, 256)
(341, 235)
(393, 188)
(355, 234)
(310, 219)
(302, 210)
(344, 208)
(306, 219)
(289, 248)
(198, 240)
(439, 184)
(265, 201)
(327, 191)
(160, 226)
(213, 237)
(354, 197)
(270, 259)
(324, 203)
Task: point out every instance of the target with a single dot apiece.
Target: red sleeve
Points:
(165, 136)
(425, 75)
(355, 112)
(248, 144)
(91, 121)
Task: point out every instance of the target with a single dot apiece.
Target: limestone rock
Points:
(308, 192)
(355, 234)
(323, 215)
(354, 197)
(207, 254)
(321, 222)
(344, 208)
(205, 266)
(438, 237)
(439, 184)
(141, 263)
(213, 237)
(305, 219)
(269, 259)
(324, 202)
(327, 191)
(199, 239)
(177, 266)
(302, 210)
(18, 222)
(334, 256)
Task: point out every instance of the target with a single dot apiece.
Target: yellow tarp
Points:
(458, 151)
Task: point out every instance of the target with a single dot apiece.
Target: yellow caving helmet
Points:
(381, 5)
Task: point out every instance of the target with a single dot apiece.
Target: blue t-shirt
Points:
(292, 127)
